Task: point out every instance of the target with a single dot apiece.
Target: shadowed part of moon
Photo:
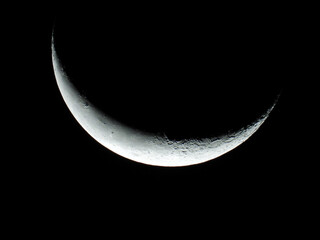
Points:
(187, 77)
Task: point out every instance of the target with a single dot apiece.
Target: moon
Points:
(142, 146)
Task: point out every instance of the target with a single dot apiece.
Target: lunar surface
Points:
(140, 146)
(166, 90)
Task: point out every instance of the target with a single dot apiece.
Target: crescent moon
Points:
(140, 146)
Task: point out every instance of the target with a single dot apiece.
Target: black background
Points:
(59, 168)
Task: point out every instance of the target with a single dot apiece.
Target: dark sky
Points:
(65, 162)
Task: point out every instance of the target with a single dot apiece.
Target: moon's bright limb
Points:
(141, 146)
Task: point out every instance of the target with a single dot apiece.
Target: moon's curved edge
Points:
(141, 146)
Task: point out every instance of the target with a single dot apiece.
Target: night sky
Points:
(64, 162)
